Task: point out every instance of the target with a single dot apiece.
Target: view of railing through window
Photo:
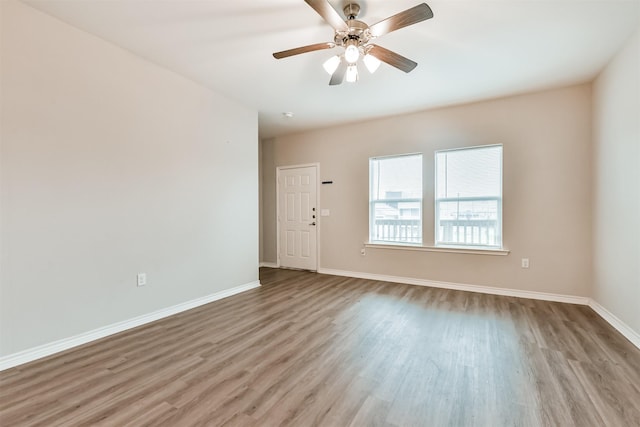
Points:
(395, 210)
(395, 221)
(469, 221)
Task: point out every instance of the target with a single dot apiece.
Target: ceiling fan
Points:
(356, 37)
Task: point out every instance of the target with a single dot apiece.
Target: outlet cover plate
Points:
(142, 279)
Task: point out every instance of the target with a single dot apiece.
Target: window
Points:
(469, 197)
(395, 199)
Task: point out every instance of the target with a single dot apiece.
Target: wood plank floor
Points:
(308, 349)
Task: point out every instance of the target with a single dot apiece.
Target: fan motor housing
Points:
(358, 30)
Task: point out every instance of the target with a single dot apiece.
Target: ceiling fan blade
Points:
(329, 14)
(303, 49)
(392, 58)
(411, 16)
(338, 76)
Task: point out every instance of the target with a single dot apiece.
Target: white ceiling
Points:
(470, 50)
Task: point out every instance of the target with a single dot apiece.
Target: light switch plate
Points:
(325, 212)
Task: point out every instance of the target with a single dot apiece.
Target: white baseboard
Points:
(269, 264)
(41, 351)
(462, 287)
(614, 321)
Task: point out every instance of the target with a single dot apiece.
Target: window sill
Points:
(447, 249)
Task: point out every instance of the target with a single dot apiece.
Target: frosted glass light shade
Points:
(351, 53)
(352, 74)
(331, 64)
(371, 62)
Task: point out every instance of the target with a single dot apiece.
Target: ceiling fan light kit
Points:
(371, 62)
(352, 74)
(355, 37)
(331, 64)
(351, 51)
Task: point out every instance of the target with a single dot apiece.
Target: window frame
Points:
(499, 200)
(420, 201)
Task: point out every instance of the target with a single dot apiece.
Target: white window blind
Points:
(395, 199)
(468, 199)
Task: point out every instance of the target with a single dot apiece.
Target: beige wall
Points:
(547, 183)
(113, 166)
(268, 211)
(617, 185)
(260, 219)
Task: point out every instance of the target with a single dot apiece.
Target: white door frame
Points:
(318, 222)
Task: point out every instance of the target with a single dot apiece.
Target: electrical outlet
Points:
(525, 262)
(142, 279)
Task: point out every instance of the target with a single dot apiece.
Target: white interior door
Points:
(297, 216)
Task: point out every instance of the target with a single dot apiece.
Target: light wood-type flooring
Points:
(308, 349)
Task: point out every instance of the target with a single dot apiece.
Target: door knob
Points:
(313, 223)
